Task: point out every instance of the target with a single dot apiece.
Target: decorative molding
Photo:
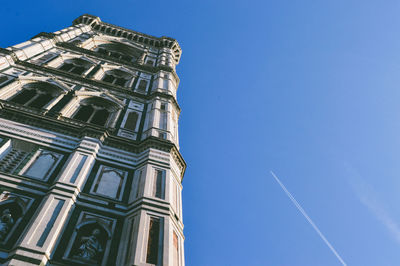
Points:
(40, 136)
(77, 129)
(158, 42)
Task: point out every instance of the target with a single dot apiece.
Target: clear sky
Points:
(308, 89)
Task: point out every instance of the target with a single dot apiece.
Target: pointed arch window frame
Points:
(111, 77)
(34, 159)
(96, 109)
(72, 108)
(39, 91)
(109, 47)
(73, 62)
(103, 169)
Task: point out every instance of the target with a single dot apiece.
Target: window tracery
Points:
(36, 94)
(42, 164)
(44, 59)
(118, 51)
(109, 182)
(96, 110)
(77, 66)
(117, 77)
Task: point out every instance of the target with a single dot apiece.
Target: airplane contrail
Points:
(308, 219)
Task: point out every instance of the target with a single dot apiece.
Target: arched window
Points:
(95, 110)
(37, 94)
(119, 51)
(43, 164)
(117, 77)
(109, 182)
(77, 66)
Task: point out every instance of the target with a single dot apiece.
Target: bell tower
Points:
(90, 168)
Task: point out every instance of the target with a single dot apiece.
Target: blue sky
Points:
(308, 89)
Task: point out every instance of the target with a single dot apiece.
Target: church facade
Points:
(90, 168)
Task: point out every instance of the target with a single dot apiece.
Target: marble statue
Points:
(90, 246)
(6, 222)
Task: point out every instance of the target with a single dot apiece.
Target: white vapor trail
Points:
(367, 195)
(308, 219)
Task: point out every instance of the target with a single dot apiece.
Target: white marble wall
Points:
(42, 235)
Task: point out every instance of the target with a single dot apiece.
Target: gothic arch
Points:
(51, 80)
(100, 100)
(76, 65)
(37, 94)
(104, 95)
(78, 57)
(117, 45)
(95, 108)
(118, 76)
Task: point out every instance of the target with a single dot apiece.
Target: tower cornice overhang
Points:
(112, 30)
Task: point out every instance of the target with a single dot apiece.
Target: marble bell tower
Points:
(90, 168)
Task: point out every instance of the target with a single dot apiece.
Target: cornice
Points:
(54, 122)
(36, 187)
(159, 42)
